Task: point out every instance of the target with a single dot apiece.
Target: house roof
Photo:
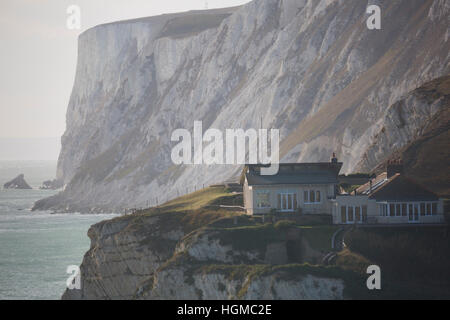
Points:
(379, 181)
(294, 173)
(401, 188)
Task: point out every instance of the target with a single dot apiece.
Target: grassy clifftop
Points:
(191, 248)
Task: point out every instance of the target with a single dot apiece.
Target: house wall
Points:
(353, 201)
(322, 207)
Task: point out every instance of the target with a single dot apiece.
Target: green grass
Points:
(189, 212)
(198, 199)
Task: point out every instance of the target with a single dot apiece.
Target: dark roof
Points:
(295, 173)
(401, 188)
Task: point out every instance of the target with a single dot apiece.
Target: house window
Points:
(416, 209)
(404, 209)
(434, 208)
(312, 196)
(295, 201)
(383, 210)
(350, 213)
(358, 213)
(263, 199)
(392, 210)
(422, 209)
(398, 209)
(287, 201)
(344, 214)
(364, 213)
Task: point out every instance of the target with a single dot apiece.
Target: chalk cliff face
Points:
(309, 68)
(164, 256)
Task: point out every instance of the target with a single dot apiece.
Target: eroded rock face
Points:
(147, 257)
(309, 68)
(17, 183)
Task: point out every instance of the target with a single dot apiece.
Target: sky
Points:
(38, 59)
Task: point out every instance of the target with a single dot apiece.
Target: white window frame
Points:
(387, 211)
(361, 218)
(308, 192)
(294, 198)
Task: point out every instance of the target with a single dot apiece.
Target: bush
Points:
(284, 224)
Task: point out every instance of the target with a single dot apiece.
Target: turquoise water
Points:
(37, 247)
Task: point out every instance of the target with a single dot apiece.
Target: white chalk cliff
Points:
(309, 68)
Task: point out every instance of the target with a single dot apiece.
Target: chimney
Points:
(394, 167)
(334, 159)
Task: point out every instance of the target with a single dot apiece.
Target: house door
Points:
(413, 212)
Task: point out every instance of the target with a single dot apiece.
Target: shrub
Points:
(284, 224)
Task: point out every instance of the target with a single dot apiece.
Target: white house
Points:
(312, 188)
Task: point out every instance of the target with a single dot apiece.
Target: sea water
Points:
(37, 247)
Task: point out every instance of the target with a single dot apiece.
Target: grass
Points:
(198, 199)
(189, 212)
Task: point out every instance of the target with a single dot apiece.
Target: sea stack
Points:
(17, 183)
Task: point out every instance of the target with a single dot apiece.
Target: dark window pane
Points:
(392, 210)
(344, 214)
(289, 196)
(428, 209)
(295, 201)
(350, 213)
(357, 213)
(434, 208)
(404, 209)
(364, 213)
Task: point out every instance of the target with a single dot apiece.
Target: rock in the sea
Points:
(51, 184)
(17, 183)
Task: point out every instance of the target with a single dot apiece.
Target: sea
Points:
(36, 248)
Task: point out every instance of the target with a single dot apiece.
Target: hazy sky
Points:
(38, 55)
